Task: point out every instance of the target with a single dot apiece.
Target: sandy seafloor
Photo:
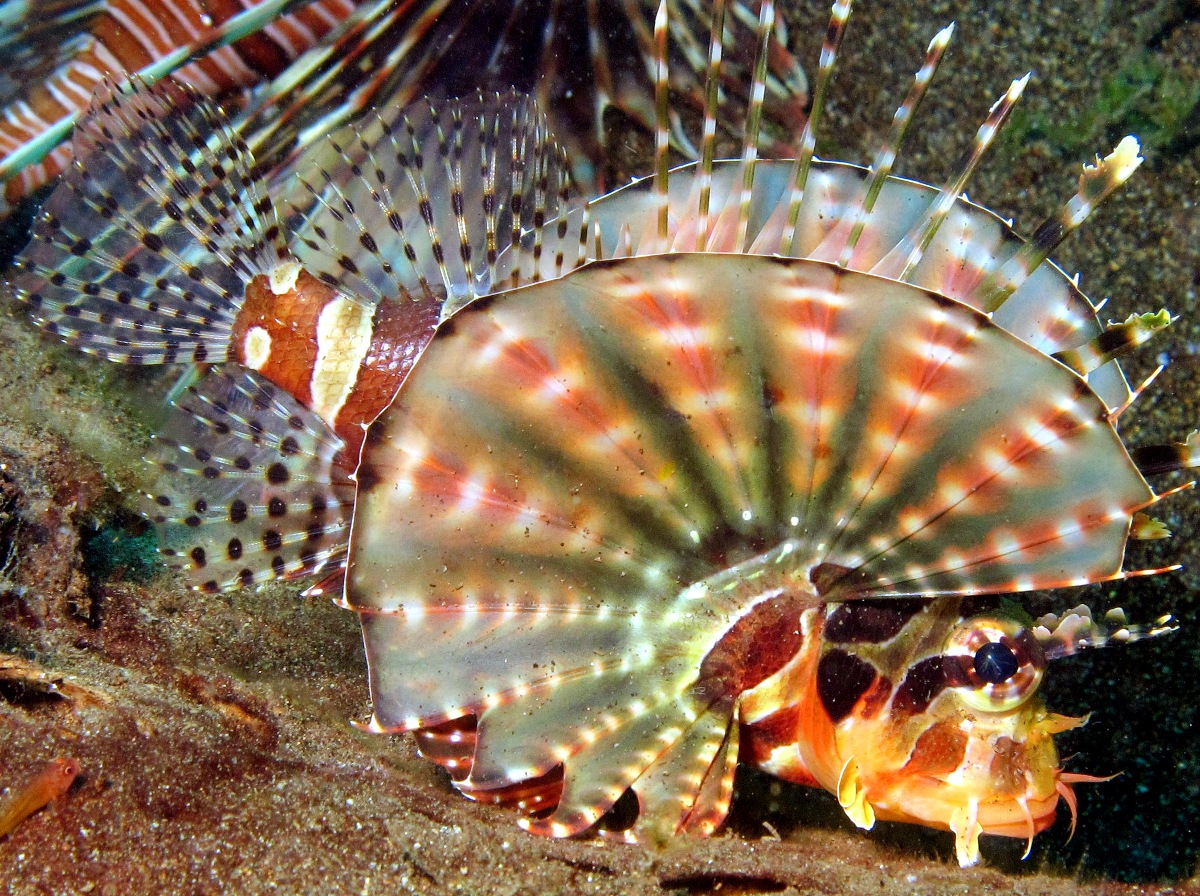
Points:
(212, 731)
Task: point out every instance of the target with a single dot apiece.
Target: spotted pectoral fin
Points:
(142, 253)
(251, 485)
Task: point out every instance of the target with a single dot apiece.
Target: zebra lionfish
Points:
(368, 52)
(736, 463)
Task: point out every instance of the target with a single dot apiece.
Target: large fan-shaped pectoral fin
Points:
(689, 787)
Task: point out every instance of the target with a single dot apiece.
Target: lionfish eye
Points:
(995, 662)
(1000, 664)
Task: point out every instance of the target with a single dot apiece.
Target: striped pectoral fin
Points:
(677, 757)
(600, 773)
(249, 487)
(688, 789)
(450, 744)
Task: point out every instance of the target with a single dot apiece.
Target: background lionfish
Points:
(732, 463)
(375, 52)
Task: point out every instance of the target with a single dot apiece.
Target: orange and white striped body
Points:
(339, 357)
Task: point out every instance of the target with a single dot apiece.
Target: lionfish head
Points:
(929, 712)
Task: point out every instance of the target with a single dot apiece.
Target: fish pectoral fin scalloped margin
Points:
(684, 787)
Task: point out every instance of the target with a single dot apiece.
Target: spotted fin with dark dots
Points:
(142, 253)
(251, 487)
(426, 201)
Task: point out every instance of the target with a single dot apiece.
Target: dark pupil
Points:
(995, 662)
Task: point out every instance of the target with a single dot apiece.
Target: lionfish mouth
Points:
(626, 491)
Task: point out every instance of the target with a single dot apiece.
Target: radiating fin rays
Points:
(708, 138)
(661, 108)
(314, 72)
(748, 162)
(904, 257)
(753, 122)
(1096, 183)
(197, 192)
(390, 53)
(142, 252)
(401, 219)
(779, 237)
(806, 144)
(249, 485)
(400, 74)
(881, 167)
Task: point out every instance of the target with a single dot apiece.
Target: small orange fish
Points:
(49, 784)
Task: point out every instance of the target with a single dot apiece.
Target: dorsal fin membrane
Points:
(141, 253)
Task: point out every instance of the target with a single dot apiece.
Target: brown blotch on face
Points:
(875, 700)
(924, 681)
(938, 751)
(870, 621)
(842, 679)
(1009, 766)
(762, 737)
